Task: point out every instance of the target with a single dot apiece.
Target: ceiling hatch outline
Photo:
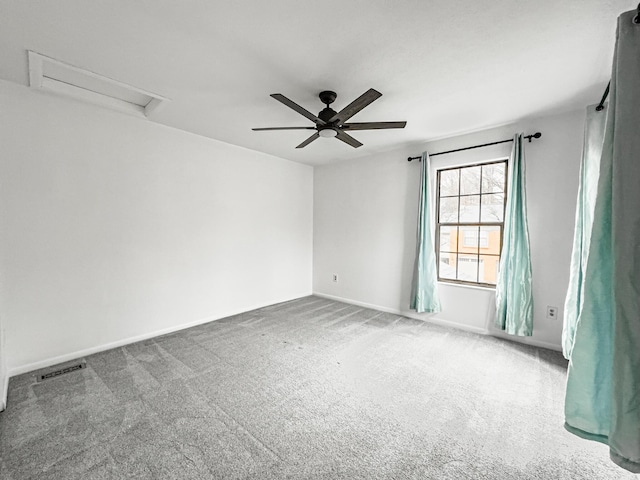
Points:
(51, 75)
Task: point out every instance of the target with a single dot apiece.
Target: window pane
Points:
(492, 207)
(448, 210)
(489, 266)
(447, 266)
(448, 239)
(469, 208)
(467, 267)
(469, 239)
(470, 180)
(490, 240)
(493, 178)
(449, 182)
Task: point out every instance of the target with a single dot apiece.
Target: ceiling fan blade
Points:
(313, 137)
(354, 107)
(283, 128)
(291, 104)
(348, 139)
(373, 125)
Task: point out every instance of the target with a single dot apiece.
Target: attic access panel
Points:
(52, 75)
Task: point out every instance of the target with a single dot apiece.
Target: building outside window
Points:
(470, 220)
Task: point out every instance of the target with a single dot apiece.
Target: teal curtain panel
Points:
(585, 206)
(514, 298)
(424, 288)
(602, 400)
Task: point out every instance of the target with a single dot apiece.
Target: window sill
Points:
(473, 287)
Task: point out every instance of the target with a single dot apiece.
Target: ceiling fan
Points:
(330, 123)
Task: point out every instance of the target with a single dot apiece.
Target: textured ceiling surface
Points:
(446, 67)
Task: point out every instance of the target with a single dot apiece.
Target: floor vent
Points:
(61, 371)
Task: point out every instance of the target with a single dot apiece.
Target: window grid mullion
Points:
(477, 225)
(471, 224)
(470, 195)
(458, 228)
(438, 226)
(479, 221)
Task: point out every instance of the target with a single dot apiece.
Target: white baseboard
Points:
(129, 340)
(126, 341)
(4, 392)
(433, 318)
(526, 340)
(4, 374)
(356, 302)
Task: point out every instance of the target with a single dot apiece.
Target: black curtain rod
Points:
(528, 137)
(604, 96)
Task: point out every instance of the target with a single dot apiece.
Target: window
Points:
(470, 219)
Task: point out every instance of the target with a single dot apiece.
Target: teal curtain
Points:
(602, 400)
(514, 299)
(587, 190)
(424, 288)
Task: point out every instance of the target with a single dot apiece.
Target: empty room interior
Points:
(336, 240)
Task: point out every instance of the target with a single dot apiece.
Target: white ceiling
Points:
(446, 67)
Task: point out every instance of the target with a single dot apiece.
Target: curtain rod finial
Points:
(535, 135)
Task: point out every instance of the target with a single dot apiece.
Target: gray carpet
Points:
(305, 389)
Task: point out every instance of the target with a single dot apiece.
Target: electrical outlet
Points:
(335, 278)
(552, 312)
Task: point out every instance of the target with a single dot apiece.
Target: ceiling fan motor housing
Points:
(326, 114)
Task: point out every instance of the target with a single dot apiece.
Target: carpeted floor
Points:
(305, 389)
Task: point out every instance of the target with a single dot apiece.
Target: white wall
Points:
(365, 215)
(115, 228)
